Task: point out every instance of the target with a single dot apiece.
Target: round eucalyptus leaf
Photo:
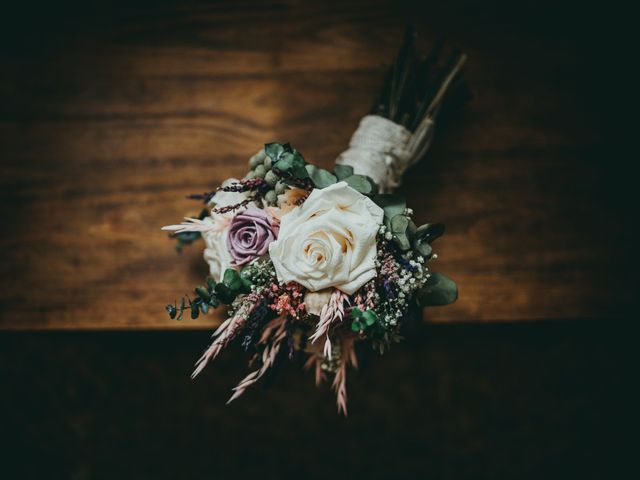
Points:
(274, 150)
(402, 241)
(391, 204)
(231, 279)
(369, 317)
(399, 224)
(438, 290)
(362, 184)
(203, 293)
(321, 178)
(343, 171)
(429, 232)
(423, 248)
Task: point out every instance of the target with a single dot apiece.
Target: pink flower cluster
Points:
(287, 299)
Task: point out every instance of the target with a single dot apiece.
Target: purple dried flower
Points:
(250, 234)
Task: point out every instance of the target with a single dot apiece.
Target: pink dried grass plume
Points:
(330, 315)
(226, 332)
(339, 384)
(277, 327)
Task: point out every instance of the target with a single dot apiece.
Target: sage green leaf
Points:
(343, 171)
(399, 224)
(293, 163)
(369, 317)
(391, 204)
(429, 232)
(203, 293)
(211, 283)
(246, 285)
(356, 326)
(224, 293)
(402, 241)
(274, 150)
(362, 184)
(423, 248)
(283, 165)
(231, 280)
(195, 313)
(356, 312)
(171, 310)
(321, 178)
(438, 290)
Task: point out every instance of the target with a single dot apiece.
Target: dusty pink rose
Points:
(250, 234)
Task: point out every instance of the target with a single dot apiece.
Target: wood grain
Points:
(107, 127)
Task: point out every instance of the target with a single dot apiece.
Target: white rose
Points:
(329, 241)
(216, 253)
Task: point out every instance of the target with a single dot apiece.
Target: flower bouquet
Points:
(311, 261)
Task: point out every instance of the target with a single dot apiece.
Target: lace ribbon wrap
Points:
(384, 150)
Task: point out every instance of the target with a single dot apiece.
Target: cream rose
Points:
(329, 241)
(216, 253)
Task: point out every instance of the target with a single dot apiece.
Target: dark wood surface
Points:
(110, 117)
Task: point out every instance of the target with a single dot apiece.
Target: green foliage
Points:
(391, 204)
(321, 178)
(211, 295)
(187, 238)
(286, 160)
(423, 237)
(362, 184)
(438, 290)
(429, 232)
(342, 171)
(363, 320)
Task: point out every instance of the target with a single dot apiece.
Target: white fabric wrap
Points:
(383, 150)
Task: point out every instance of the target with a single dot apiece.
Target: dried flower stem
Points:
(268, 355)
(339, 384)
(331, 313)
(225, 333)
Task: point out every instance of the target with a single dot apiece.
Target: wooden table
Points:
(108, 119)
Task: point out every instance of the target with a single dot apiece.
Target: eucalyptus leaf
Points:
(274, 150)
(246, 285)
(423, 248)
(171, 310)
(343, 171)
(292, 163)
(195, 312)
(231, 280)
(391, 204)
(203, 293)
(438, 290)
(399, 224)
(429, 232)
(284, 164)
(321, 178)
(362, 184)
(369, 317)
(224, 293)
(402, 240)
